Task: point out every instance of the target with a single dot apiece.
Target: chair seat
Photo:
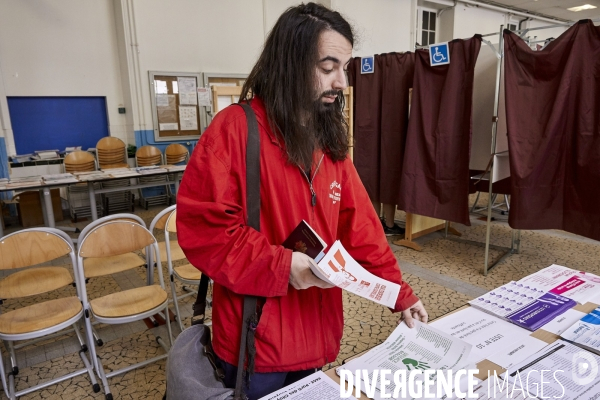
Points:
(34, 281)
(176, 251)
(39, 316)
(109, 265)
(129, 302)
(188, 272)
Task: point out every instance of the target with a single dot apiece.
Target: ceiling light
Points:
(581, 8)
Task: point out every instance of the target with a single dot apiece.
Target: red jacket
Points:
(298, 329)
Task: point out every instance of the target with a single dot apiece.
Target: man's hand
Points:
(301, 277)
(416, 311)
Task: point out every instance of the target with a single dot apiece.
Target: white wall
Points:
(60, 48)
(382, 26)
(542, 34)
(470, 20)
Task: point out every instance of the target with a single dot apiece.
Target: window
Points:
(427, 26)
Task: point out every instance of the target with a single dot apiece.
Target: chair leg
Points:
(11, 386)
(3, 376)
(102, 375)
(13, 357)
(476, 200)
(176, 303)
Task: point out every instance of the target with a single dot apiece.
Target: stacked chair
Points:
(149, 156)
(77, 195)
(176, 154)
(111, 153)
(41, 319)
(103, 245)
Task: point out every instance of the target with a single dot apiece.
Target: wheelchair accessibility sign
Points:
(367, 65)
(439, 54)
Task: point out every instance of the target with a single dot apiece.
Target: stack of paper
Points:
(150, 170)
(577, 285)
(175, 168)
(59, 178)
(21, 158)
(526, 306)
(421, 347)
(46, 154)
(26, 181)
(121, 172)
(586, 331)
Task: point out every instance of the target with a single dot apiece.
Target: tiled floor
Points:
(446, 274)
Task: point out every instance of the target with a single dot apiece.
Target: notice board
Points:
(175, 108)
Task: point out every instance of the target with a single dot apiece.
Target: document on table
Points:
(563, 322)
(317, 386)
(576, 285)
(421, 347)
(586, 331)
(513, 354)
(340, 269)
(507, 298)
(562, 370)
(486, 333)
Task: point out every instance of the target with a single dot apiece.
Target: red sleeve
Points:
(361, 233)
(211, 216)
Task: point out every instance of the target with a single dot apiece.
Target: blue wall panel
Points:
(45, 123)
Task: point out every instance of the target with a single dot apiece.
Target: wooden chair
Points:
(77, 195)
(111, 153)
(27, 248)
(187, 274)
(116, 236)
(148, 156)
(176, 153)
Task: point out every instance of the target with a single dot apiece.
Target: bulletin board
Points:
(175, 105)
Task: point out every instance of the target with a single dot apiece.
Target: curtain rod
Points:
(525, 30)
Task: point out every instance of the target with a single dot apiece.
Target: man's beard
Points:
(322, 106)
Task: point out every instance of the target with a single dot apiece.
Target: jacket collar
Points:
(258, 106)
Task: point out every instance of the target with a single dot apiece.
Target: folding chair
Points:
(187, 274)
(110, 237)
(111, 153)
(27, 248)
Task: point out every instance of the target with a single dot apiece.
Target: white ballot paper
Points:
(577, 285)
(488, 334)
(507, 298)
(561, 371)
(317, 386)
(420, 348)
(340, 269)
(586, 331)
(563, 322)
(517, 352)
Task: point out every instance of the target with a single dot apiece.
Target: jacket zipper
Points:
(313, 194)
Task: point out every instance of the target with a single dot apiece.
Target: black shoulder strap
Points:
(250, 317)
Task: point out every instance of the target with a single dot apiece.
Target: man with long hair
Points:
(295, 90)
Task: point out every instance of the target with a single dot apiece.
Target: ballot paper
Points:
(563, 322)
(316, 386)
(422, 347)
(586, 331)
(507, 298)
(486, 333)
(577, 285)
(561, 371)
(340, 269)
(510, 355)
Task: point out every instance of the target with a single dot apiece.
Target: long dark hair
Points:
(284, 78)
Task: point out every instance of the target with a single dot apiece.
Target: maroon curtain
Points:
(435, 178)
(553, 120)
(380, 122)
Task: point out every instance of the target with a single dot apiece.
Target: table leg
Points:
(92, 194)
(47, 208)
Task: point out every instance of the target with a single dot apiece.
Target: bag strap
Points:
(250, 316)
